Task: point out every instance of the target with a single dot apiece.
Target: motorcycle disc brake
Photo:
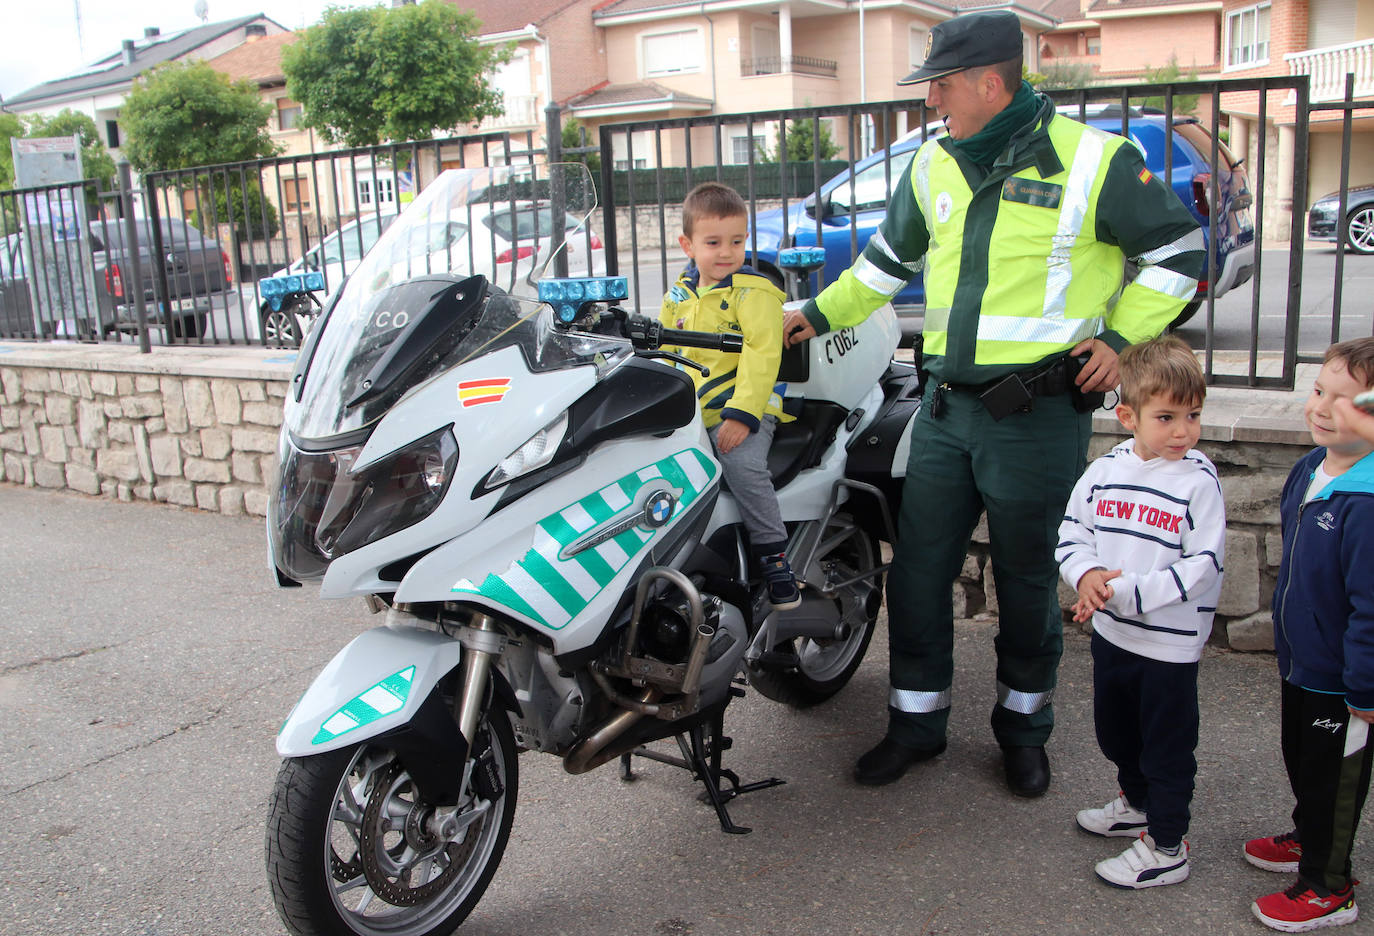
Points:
(387, 876)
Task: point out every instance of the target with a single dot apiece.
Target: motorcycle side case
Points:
(377, 683)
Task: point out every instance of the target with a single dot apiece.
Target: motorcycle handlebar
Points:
(648, 334)
(732, 344)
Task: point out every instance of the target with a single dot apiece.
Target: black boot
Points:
(889, 760)
(1027, 769)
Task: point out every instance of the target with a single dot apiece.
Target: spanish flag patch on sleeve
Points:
(1144, 176)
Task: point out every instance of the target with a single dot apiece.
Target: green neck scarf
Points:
(987, 144)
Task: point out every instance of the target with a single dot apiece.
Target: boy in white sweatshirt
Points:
(1142, 543)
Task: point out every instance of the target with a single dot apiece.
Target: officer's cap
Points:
(968, 41)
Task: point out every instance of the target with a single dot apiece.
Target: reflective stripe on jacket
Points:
(740, 386)
(1025, 259)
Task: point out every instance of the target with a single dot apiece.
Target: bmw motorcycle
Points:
(518, 479)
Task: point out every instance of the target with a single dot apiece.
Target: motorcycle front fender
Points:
(376, 684)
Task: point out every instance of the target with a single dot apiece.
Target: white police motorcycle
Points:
(523, 486)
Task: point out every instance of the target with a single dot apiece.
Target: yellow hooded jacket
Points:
(740, 386)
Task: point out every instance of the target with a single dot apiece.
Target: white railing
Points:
(1328, 68)
(522, 110)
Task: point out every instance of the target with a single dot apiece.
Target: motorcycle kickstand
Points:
(695, 745)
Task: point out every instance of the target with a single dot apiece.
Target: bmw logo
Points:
(658, 509)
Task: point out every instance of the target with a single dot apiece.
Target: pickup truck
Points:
(197, 271)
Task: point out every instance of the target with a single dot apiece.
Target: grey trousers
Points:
(746, 472)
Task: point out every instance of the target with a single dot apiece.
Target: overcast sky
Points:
(45, 44)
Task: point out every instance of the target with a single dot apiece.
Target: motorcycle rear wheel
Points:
(824, 667)
(349, 850)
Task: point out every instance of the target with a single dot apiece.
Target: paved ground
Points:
(146, 662)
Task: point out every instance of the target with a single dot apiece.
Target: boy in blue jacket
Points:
(1324, 637)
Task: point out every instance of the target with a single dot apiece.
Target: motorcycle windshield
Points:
(412, 308)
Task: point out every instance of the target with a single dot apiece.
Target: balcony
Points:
(1328, 68)
(787, 65)
(522, 112)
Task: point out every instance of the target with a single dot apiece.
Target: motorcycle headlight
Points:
(390, 495)
(537, 452)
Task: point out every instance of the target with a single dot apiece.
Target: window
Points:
(296, 193)
(739, 148)
(916, 46)
(672, 53)
(288, 114)
(112, 134)
(625, 164)
(871, 186)
(1094, 45)
(1247, 37)
(378, 191)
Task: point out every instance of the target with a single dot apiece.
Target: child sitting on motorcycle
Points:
(740, 404)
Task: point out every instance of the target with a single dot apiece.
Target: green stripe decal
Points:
(550, 590)
(595, 566)
(496, 589)
(385, 697)
(545, 574)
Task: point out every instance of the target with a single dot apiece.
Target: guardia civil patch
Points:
(1031, 192)
(1144, 176)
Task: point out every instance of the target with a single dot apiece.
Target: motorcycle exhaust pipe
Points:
(592, 751)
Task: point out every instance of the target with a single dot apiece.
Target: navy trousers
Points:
(1147, 724)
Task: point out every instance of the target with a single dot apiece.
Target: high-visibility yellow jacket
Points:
(740, 386)
(1027, 259)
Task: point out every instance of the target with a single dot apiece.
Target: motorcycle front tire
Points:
(348, 846)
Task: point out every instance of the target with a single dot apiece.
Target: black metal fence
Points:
(72, 257)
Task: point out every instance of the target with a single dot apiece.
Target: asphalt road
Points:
(146, 662)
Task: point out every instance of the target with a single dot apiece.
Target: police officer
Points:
(1021, 221)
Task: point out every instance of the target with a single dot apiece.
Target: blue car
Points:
(850, 212)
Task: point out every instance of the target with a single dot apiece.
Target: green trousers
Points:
(1021, 471)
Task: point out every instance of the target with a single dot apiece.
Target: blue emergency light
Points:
(801, 258)
(276, 288)
(569, 294)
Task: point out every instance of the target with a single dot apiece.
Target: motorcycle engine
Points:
(665, 634)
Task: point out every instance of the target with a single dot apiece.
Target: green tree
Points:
(249, 208)
(1170, 73)
(801, 143)
(187, 114)
(373, 74)
(573, 134)
(1065, 76)
(10, 126)
(96, 161)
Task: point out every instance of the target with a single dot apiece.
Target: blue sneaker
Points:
(783, 593)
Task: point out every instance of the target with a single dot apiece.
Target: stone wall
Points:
(142, 427)
(198, 428)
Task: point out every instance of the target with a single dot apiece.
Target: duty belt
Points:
(1014, 392)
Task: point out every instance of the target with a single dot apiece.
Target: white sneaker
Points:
(1118, 817)
(1142, 866)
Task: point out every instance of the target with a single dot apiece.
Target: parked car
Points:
(865, 202)
(16, 308)
(197, 271)
(503, 247)
(1323, 223)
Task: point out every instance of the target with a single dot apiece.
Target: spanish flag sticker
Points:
(1145, 177)
(477, 392)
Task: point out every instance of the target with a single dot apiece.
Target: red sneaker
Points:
(1300, 908)
(1277, 853)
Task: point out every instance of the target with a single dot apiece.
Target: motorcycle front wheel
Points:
(824, 667)
(353, 848)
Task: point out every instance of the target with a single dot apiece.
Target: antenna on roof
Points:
(80, 45)
(202, 9)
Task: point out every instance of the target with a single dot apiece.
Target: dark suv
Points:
(859, 207)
